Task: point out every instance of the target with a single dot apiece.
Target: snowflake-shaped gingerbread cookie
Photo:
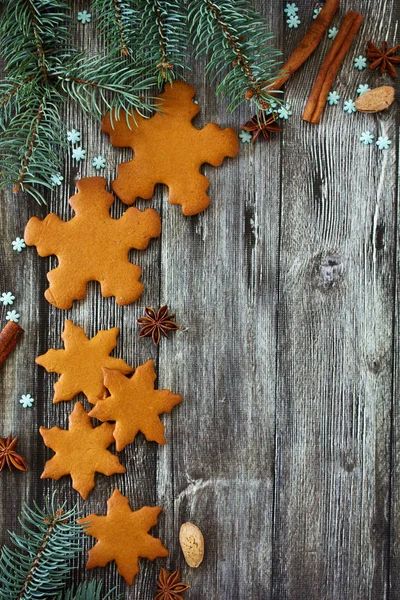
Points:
(169, 149)
(92, 246)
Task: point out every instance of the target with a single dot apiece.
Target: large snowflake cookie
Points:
(93, 246)
(169, 149)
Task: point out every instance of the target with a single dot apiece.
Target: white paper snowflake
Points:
(99, 162)
(333, 98)
(26, 400)
(56, 179)
(349, 106)
(360, 62)
(78, 154)
(316, 12)
(245, 136)
(383, 142)
(332, 33)
(284, 112)
(74, 136)
(7, 298)
(84, 17)
(18, 244)
(293, 22)
(366, 138)
(362, 88)
(13, 316)
(291, 9)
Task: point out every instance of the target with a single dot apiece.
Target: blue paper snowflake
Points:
(26, 400)
(333, 98)
(99, 162)
(7, 298)
(13, 316)
(78, 154)
(360, 62)
(245, 136)
(349, 107)
(284, 112)
(293, 22)
(316, 12)
(366, 138)
(74, 136)
(291, 9)
(56, 179)
(362, 88)
(383, 142)
(332, 33)
(84, 17)
(18, 244)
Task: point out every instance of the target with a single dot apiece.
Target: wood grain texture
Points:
(285, 448)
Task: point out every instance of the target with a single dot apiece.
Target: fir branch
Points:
(87, 591)
(119, 21)
(237, 41)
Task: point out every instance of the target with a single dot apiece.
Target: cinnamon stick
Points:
(310, 41)
(9, 337)
(331, 65)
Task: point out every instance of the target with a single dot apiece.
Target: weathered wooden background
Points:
(286, 448)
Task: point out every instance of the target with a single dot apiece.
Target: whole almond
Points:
(375, 100)
(192, 544)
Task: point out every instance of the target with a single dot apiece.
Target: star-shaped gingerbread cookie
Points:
(169, 149)
(81, 363)
(134, 405)
(123, 536)
(92, 246)
(80, 451)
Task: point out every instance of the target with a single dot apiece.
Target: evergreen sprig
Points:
(40, 563)
(237, 42)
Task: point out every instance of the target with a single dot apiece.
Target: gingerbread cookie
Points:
(80, 451)
(81, 363)
(92, 246)
(169, 149)
(123, 536)
(134, 405)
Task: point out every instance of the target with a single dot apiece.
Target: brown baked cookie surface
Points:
(169, 149)
(123, 536)
(80, 451)
(93, 246)
(134, 405)
(81, 363)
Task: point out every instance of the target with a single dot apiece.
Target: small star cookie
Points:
(123, 536)
(134, 405)
(169, 149)
(80, 451)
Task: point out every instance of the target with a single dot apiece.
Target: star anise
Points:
(8, 455)
(384, 58)
(170, 586)
(154, 324)
(262, 124)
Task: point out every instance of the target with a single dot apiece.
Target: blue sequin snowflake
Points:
(333, 98)
(84, 17)
(18, 244)
(78, 154)
(291, 9)
(316, 12)
(56, 179)
(362, 88)
(349, 107)
(26, 400)
(366, 138)
(383, 142)
(293, 22)
(245, 136)
(332, 33)
(284, 112)
(7, 298)
(360, 62)
(13, 316)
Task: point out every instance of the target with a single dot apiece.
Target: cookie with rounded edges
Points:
(80, 451)
(122, 535)
(169, 149)
(81, 363)
(93, 246)
(134, 405)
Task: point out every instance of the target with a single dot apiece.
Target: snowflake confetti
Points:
(13, 316)
(349, 107)
(316, 12)
(245, 136)
(99, 162)
(332, 33)
(78, 154)
(366, 138)
(84, 17)
(56, 179)
(362, 88)
(74, 136)
(383, 142)
(291, 9)
(18, 244)
(293, 21)
(284, 112)
(26, 400)
(360, 62)
(7, 298)
(333, 98)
